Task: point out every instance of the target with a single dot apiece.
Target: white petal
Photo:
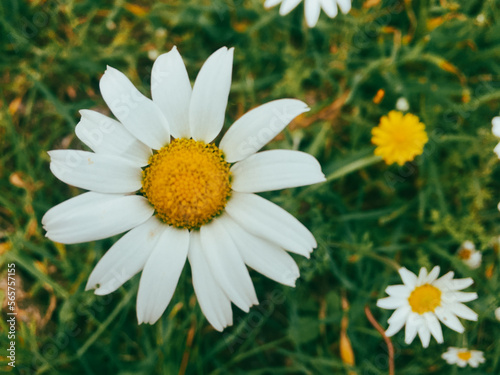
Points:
(433, 274)
(264, 219)
(496, 150)
(312, 9)
(449, 319)
(125, 258)
(344, 5)
(450, 355)
(434, 327)
(448, 284)
(74, 205)
(107, 136)
(445, 282)
(171, 91)
(449, 360)
(397, 320)
(271, 3)
(425, 335)
(274, 170)
(401, 291)
(137, 113)
(288, 5)
(468, 245)
(94, 216)
(226, 264)
(96, 172)
(474, 260)
(412, 325)
(161, 274)
(455, 296)
(394, 328)
(459, 284)
(408, 277)
(257, 127)
(214, 303)
(496, 126)
(390, 303)
(263, 256)
(422, 276)
(210, 93)
(453, 350)
(400, 315)
(473, 363)
(330, 7)
(463, 311)
(477, 356)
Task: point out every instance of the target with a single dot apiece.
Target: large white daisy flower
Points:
(422, 300)
(463, 357)
(470, 255)
(183, 198)
(312, 8)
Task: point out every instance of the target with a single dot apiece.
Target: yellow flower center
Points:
(464, 254)
(399, 138)
(465, 356)
(424, 298)
(187, 182)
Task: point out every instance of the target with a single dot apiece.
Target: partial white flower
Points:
(421, 302)
(497, 313)
(402, 104)
(469, 255)
(496, 132)
(183, 198)
(312, 8)
(463, 357)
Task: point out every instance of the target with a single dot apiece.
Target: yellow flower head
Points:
(399, 138)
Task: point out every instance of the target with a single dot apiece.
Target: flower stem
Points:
(354, 166)
(388, 342)
(357, 164)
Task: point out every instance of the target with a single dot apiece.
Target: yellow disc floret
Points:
(399, 138)
(464, 254)
(464, 356)
(424, 298)
(187, 182)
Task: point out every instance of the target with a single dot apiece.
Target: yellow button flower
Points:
(399, 138)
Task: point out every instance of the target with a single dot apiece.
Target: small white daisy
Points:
(463, 357)
(312, 8)
(422, 300)
(469, 255)
(496, 132)
(183, 198)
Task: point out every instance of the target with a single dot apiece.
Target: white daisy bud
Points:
(402, 104)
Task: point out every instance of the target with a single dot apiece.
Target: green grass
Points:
(443, 56)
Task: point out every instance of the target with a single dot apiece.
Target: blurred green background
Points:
(442, 56)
